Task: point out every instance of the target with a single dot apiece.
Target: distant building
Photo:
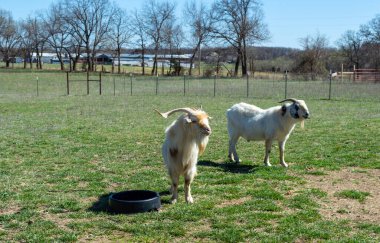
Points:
(162, 60)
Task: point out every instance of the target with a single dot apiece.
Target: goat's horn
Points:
(166, 114)
(290, 99)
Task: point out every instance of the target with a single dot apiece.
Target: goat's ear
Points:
(188, 120)
(283, 109)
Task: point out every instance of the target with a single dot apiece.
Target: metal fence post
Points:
(67, 83)
(100, 83)
(88, 82)
(157, 84)
(184, 85)
(131, 81)
(330, 77)
(114, 86)
(124, 84)
(286, 83)
(214, 84)
(37, 84)
(247, 84)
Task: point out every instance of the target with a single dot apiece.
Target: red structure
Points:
(367, 75)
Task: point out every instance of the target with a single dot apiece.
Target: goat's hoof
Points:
(190, 200)
(285, 165)
(268, 164)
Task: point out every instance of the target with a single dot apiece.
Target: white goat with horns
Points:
(275, 123)
(186, 138)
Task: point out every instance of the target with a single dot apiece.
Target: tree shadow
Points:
(230, 167)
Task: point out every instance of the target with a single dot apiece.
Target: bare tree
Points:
(73, 47)
(35, 36)
(139, 30)
(26, 44)
(173, 37)
(351, 47)
(372, 30)
(9, 36)
(311, 58)
(57, 30)
(157, 14)
(119, 33)
(240, 23)
(371, 33)
(200, 25)
(90, 20)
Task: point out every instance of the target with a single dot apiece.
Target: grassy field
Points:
(62, 156)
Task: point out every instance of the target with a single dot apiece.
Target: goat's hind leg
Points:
(232, 153)
(268, 147)
(174, 187)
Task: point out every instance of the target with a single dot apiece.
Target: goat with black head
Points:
(275, 123)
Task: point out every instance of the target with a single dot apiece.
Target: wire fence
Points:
(22, 84)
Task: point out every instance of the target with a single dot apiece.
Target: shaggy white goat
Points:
(186, 138)
(253, 123)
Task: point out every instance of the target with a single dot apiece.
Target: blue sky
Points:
(288, 20)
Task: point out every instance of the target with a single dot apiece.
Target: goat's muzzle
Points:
(306, 115)
(206, 131)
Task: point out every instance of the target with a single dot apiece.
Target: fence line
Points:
(55, 84)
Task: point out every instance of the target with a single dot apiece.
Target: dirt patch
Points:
(238, 201)
(333, 207)
(9, 210)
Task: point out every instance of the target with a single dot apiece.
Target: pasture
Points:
(62, 156)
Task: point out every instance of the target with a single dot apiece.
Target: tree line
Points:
(77, 29)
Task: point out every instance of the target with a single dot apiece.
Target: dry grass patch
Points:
(334, 207)
(10, 210)
(234, 202)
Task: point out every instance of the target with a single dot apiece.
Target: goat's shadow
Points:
(101, 205)
(230, 167)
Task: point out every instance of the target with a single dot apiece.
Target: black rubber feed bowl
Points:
(134, 201)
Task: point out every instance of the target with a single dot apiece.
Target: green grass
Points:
(353, 194)
(61, 157)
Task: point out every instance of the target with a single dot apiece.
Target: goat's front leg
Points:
(281, 145)
(268, 147)
(189, 177)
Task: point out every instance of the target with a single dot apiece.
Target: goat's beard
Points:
(303, 124)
